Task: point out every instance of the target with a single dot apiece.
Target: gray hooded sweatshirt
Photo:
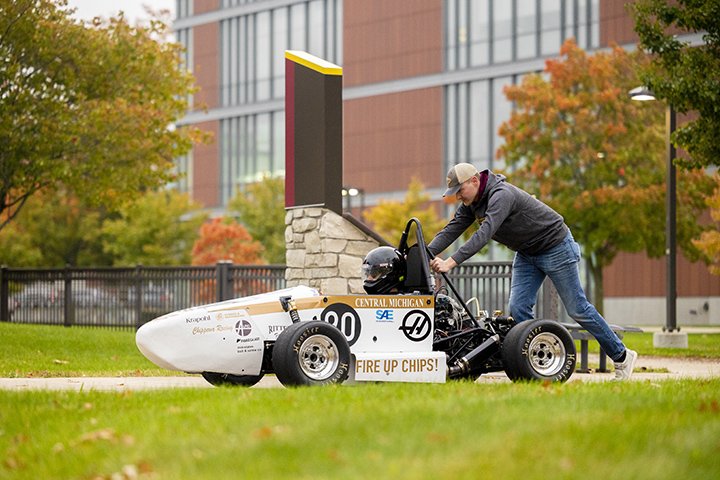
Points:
(507, 215)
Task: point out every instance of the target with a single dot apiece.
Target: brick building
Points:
(422, 90)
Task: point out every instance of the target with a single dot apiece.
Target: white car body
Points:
(390, 336)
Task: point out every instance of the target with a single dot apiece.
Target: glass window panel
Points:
(263, 45)
(526, 28)
(316, 28)
(278, 135)
(338, 59)
(280, 44)
(501, 112)
(595, 24)
(502, 31)
(251, 70)
(250, 151)
(479, 32)
(462, 122)
(462, 35)
(451, 124)
(570, 20)
(297, 27)
(550, 25)
(262, 150)
(240, 67)
(452, 35)
(583, 24)
(479, 126)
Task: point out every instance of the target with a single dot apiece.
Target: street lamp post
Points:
(671, 333)
(349, 193)
(671, 224)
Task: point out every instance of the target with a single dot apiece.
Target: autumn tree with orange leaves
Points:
(576, 141)
(223, 240)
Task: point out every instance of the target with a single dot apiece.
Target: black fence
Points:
(129, 297)
(124, 297)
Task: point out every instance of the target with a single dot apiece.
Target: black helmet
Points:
(383, 269)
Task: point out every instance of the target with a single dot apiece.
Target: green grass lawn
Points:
(55, 351)
(459, 430)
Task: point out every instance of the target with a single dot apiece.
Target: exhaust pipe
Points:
(475, 358)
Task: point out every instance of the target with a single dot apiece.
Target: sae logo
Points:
(384, 316)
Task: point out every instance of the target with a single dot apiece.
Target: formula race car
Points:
(403, 330)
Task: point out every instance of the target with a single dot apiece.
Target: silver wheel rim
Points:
(547, 354)
(318, 357)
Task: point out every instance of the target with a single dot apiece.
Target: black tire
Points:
(228, 379)
(539, 350)
(311, 353)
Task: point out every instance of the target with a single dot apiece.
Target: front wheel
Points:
(311, 353)
(228, 379)
(539, 350)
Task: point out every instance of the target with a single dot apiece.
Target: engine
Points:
(470, 344)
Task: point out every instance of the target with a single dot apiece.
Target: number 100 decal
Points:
(345, 319)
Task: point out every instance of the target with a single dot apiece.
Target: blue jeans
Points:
(560, 263)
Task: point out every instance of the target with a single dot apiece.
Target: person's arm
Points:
(500, 205)
(462, 219)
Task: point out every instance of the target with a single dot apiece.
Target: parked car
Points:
(154, 297)
(34, 296)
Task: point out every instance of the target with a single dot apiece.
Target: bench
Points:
(579, 333)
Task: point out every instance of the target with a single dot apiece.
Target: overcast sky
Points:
(133, 9)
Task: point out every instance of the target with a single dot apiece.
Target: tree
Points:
(709, 241)
(261, 209)
(158, 228)
(596, 157)
(86, 106)
(684, 75)
(389, 218)
(225, 240)
(54, 229)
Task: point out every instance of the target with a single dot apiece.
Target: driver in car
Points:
(543, 245)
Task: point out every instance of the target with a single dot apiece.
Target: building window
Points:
(484, 32)
(252, 71)
(183, 8)
(253, 47)
(473, 114)
(251, 147)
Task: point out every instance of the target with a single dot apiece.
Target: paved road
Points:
(647, 368)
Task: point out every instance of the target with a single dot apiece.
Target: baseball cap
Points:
(458, 174)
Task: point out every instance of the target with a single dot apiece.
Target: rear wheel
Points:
(228, 379)
(539, 350)
(311, 353)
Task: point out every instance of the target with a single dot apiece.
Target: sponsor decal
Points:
(202, 330)
(276, 329)
(405, 365)
(232, 314)
(243, 328)
(389, 302)
(384, 315)
(345, 319)
(198, 319)
(416, 325)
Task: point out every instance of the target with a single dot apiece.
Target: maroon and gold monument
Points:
(313, 132)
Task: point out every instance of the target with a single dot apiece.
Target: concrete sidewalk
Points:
(646, 369)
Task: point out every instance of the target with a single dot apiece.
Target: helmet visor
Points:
(371, 273)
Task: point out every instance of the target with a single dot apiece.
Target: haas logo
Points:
(345, 319)
(416, 325)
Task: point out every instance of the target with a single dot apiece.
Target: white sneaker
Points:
(624, 370)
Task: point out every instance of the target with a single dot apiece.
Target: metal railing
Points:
(124, 297)
(130, 297)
